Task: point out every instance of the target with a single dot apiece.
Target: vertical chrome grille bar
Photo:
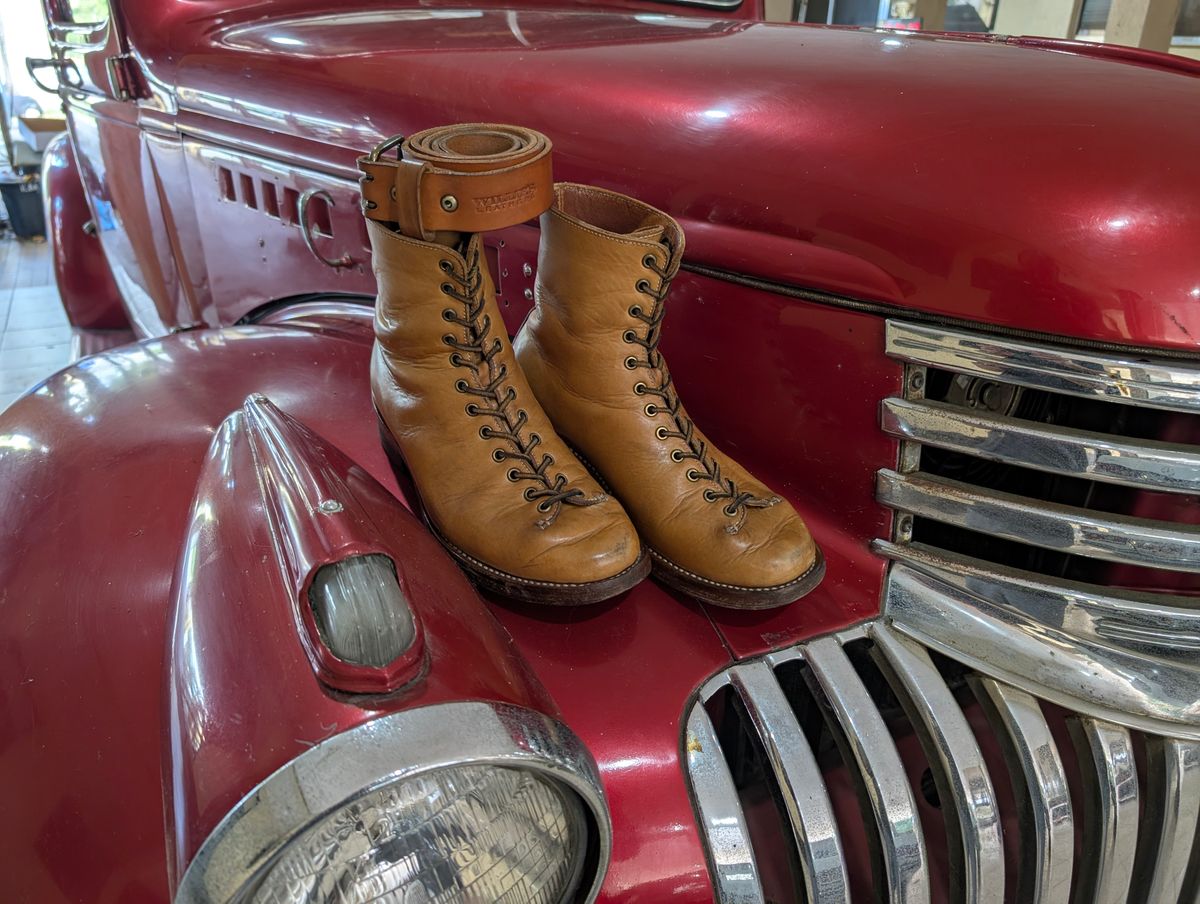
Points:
(870, 744)
(799, 778)
(1110, 828)
(1045, 876)
(1170, 819)
(735, 872)
(963, 780)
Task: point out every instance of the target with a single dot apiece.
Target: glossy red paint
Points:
(245, 695)
(85, 283)
(131, 432)
(890, 166)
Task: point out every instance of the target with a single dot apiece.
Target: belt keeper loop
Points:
(406, 197)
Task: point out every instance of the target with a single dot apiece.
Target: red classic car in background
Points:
(942, 292)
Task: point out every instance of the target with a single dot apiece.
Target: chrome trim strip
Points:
(1110, 813)
(1170, 820)
(391, 747)
(1129, 659)
(722, 822)
(1058, 450)
(1049, 851)
(799, 778)
(1080, 651)
(1116, 377)
(889, 794)
(976, 842)
(1113, 538)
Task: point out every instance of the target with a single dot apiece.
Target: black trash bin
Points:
(23, 201)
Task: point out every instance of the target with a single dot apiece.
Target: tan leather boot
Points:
(590, 351)
(498, 487)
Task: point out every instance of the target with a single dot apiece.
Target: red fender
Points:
(81, 271)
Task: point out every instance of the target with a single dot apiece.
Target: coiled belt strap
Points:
(471, 177)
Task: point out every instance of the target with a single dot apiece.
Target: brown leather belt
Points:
(471, 177)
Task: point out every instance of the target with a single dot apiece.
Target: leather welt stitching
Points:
(514, 198)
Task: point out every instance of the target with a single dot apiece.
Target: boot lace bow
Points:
(477, 354)
(707, 468)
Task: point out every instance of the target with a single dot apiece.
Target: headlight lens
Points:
(467, 833)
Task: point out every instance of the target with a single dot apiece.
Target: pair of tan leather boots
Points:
(560, 468)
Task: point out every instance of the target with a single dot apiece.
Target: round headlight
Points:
(472, 833)
(455, 802)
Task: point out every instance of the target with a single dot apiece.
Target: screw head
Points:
(330, 507)
(917, 380)
(449, 203)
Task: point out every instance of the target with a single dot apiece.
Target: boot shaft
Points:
(601, 254)
(421, 287)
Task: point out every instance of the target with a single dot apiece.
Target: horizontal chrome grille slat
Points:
(1114, 538)
(805, 798)
(1057, 450)
(735, 870)
(1170, 820)
(1109, 774)
(1114, 377)
(1011, 627)
(1049, 851)
(888, 792)
(952, 748)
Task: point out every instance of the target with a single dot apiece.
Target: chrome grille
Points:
(1047, 527)
(1037, 657)
(877, 693)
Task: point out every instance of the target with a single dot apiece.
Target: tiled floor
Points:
(35, 338)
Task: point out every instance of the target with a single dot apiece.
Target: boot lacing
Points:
(487, 384)
(697, 449)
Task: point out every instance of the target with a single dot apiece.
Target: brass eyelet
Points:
(676, 455)
(635, 310)
(730, 510)
(448, 339)
(649, 261)
(643, 286)
(472, 409)
(497, 455)
(631, 362)
(447, 288)
(543, 506)
(549, 459)
(485, 432)
(528, 494)
(533, 437)
(693, 475)
(662, 433)
(629, 336)
(639, 387)
(513, 474)
(710, 496)
(444, 265)
(448, 315)
(651, 410)
(456, 359)
(462, 385)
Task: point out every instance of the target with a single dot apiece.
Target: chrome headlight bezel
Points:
(343, 768)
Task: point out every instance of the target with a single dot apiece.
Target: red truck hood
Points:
(1041, 189)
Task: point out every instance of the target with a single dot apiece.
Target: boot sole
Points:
(495, 580)
(727, 596)
(734, 596)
